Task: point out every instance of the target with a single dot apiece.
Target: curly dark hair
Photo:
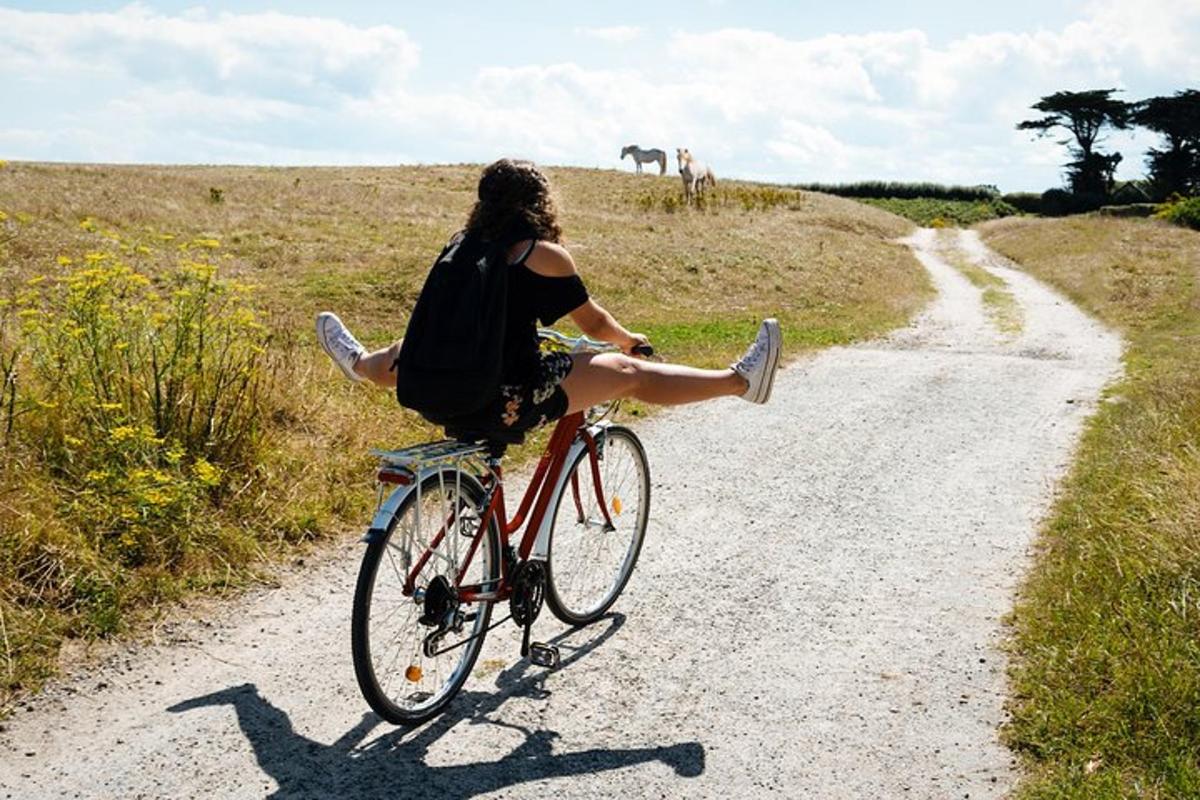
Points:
(514, 203)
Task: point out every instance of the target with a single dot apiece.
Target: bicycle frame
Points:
(571, 435)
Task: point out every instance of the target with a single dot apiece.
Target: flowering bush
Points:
(139, 394)
(1182, 211)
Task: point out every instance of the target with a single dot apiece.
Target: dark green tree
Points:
(1085, 115)
(1176, 167)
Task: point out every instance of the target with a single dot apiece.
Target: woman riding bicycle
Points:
(516, 210)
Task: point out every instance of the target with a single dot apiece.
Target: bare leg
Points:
(596, 378)
(377, 366)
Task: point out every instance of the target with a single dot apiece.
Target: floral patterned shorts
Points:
(523, 407)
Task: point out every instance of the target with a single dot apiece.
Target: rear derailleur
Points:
(440, 610)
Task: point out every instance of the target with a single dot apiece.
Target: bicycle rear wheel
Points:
(399, 680)
(589, 564)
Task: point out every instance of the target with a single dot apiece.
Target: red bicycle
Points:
(440, 553)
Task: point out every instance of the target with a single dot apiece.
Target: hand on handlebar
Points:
(639, 345)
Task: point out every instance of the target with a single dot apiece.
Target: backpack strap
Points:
(525, 255)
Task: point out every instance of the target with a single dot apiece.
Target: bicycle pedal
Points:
(544, 655)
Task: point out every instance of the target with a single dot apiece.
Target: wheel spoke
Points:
(399, 681)
(589, 565)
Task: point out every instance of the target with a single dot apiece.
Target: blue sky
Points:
(762, 90)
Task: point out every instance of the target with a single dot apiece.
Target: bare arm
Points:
(554, 261)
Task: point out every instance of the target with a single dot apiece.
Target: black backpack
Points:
(452, 356)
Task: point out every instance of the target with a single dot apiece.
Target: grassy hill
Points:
(1106, 679)
(169, 423)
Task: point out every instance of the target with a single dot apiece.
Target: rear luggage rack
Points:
(447, 452)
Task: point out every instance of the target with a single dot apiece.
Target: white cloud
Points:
(269, 54)
(143, 85)
(616, 34)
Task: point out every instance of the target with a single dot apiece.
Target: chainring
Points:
(528, 592)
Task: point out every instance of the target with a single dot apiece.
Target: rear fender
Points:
(388, 508)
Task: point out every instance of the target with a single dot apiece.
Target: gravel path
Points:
(816, 612)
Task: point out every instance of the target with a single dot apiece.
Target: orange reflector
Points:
(413, 673)
(617, 504)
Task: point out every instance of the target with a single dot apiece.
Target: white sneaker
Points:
(339, 343)
(761, 361)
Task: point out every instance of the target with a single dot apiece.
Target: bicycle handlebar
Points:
(586, 344)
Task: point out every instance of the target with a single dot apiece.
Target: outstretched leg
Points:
(597, 378)
(351, 357)
(376, 366)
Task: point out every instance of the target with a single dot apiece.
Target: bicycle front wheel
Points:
(590, 561)
(390, 626)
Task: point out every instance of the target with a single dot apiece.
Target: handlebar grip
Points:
(643, 350)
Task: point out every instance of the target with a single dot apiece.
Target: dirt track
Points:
(816, 611)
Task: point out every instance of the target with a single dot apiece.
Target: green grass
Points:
(937, 213)
(1184, 211)
(998, 301)
(1106, 633)
(87, 548)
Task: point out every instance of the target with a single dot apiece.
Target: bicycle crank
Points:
(528, 592)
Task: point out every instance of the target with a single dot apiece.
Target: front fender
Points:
(541, 545)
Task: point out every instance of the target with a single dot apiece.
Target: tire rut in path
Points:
(816, 611)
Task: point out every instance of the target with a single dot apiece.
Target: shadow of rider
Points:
(394, 764)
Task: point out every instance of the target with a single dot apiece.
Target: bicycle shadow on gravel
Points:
(394, 765)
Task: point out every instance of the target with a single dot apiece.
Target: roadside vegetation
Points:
(930, 212)
(930, 205)
(1183, 211)
(1106, 675)
(169, 424)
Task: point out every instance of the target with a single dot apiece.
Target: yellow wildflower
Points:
(95, 258)
(122, 433)
(206, 473)
(96, 475)
(64, 261)
(88, 224)
(110, 406)
(3, 216)
(35, 280)
(73, 441)
(155, 497)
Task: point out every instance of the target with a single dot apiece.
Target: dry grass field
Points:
(169, 423)
(1107, 630)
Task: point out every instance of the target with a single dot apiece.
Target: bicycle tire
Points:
(427, 699)
(578, 543)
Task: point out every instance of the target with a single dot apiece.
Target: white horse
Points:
(640, 156)
(697, 176)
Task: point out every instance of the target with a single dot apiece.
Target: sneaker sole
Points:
(775, 342)
(321, 337)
